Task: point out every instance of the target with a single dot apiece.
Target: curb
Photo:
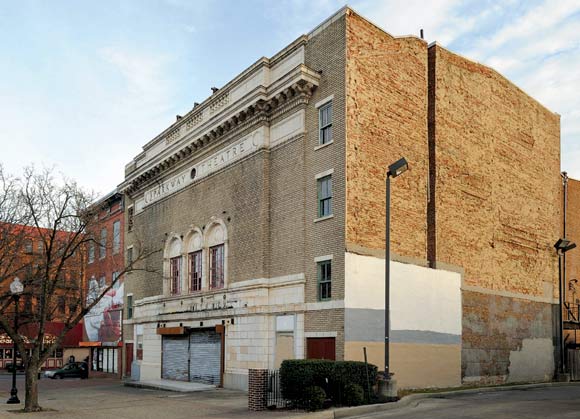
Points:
(351, 412)
(137, 384)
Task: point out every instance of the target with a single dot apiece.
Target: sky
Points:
(85, 84)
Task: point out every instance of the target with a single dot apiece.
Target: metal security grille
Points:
(175, 358)
(205, 357)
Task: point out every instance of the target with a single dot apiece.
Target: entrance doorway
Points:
(321, 348)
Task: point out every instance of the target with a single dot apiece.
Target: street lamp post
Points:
(562, 246)
(16, 288)
(395, 170)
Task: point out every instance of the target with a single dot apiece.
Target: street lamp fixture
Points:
(395, 169)
(16, 288)
(562, 246)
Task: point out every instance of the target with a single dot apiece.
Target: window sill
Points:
(318, 147)
(326, 217)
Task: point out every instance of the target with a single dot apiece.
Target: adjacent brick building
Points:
(102, 332)
(267, 201)
(24, 256)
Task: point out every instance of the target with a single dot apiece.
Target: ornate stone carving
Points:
(219, 102)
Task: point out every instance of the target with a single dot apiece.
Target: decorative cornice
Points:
(263, 110)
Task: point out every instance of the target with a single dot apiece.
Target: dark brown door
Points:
(128, 358)
(321, 348)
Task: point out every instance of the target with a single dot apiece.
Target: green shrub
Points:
(353, 395)
(314, 398)
(297, 375)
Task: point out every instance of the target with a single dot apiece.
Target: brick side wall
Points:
(573, 234)
(498, 213)
(497, 180)
(498, 332)
(386, 120)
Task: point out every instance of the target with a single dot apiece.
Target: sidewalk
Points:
(170, 385)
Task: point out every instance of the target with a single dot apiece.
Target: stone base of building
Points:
(236, 381)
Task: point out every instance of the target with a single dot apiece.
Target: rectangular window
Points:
(175, 271)
(216, 266)
(116, 237)
(325, 123)
(325, 196)
(130, 214)
(129, 256)
(28, 246)
(324, 280)
(61, 305)
(103, 244)
(195, 271)
(91, 252)
(129, 307)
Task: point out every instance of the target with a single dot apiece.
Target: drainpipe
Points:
(565, 205)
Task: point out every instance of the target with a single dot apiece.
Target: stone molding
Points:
(293, 90)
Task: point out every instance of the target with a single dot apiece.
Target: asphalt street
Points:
(107, 398)
(532, 403)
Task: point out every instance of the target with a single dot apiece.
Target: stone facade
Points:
(242, 170)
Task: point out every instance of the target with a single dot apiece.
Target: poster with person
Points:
(103, 322)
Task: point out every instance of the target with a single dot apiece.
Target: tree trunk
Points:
(31, 386)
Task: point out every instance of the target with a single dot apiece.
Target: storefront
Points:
(194, 355)
(59, 357)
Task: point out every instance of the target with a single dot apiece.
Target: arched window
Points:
(174, 265)
(196, 268)
(216, 243)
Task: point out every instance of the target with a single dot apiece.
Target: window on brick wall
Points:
(195, 271)
(325, 123)
(28, 246)
(130, 306)
(325, 196)
(103, 244)
(175, 278)
(216, 266)
(324, 269)
(130, 214)
(116, 237)
(91, 255)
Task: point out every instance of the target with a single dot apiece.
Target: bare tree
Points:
(45, 228)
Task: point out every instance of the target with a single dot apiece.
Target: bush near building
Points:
(344, 382)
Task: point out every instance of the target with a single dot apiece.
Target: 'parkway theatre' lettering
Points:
(213, 163)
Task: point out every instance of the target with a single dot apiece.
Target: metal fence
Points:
(274, 395)
(571, 313)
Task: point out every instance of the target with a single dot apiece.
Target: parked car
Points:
(72, 369)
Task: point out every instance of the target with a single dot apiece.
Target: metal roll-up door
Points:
(205, 357)
(175, 358)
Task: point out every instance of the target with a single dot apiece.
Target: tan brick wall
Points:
(325, 52)
(386, 120)
(573, 234)
(327, 321)
(497, 214)
(235, 195)
(497, 179)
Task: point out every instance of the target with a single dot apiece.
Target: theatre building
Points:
(267, 203)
